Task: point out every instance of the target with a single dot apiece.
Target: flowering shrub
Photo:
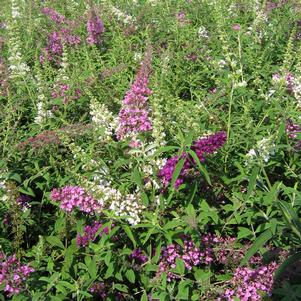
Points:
(150, 150)
(13, 274)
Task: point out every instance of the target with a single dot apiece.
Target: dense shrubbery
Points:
(150, 150)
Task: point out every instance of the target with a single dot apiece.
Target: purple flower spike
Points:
(72, 197)
(133, 116)
(95, 29)
(203, 146)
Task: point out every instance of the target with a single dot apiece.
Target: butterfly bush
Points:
(18, 68)
(121, 16)
(72, 197)
(89, 234)
(292, 130)
(103, 119)
(55, 16)
(205, 145)
(23, 201)
(248, 284)
(138, 257)
(13, 274)
(265, 148)
(134, 114)
(190, 254)
(58, 38)
(95, 29)
(43, 114)
(128, 207)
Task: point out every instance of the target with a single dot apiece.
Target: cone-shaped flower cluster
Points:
(133, 116)
(13, 274)
(203, 146)
(72, 197)
(89, 234)
(247, 283)
(95, 29)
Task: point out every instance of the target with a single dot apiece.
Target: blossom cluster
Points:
(205, 145)
(293, 130)
(264, 149)
(123, 17)
(190, 254)
(128, 207)
(23, 201)
(138, 256)
(103, 119)
(89, 234)
(71, 197)
(13, 274)
(56, 40)
(95, 29)
(42, 113)
(51, 137)
(133, 115)
(62, 90)
(248, 284)
(100, 289)
(18, 68)
(54, 15)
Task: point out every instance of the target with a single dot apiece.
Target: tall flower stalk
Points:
(134, 113)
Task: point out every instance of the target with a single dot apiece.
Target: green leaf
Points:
(109, 271)
(291, 217)
(180, 266)
(130, 234)
(177, 171)
(257, 244)
(55, 241)
(144, 297)
(130, 275)
(121, 287)
(92, 269)
(244, 232)
(252, 181)
(66, 284)
(202, 276)
(27, 191)
(136, 177)
(13, 176)
(183, 290)
(287, 262)
(200, 166)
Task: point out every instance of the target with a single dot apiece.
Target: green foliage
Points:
(59, 123)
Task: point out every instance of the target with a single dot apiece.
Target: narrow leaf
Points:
(257, 244)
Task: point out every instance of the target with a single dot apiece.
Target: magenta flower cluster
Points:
(89, 234)
(54, 48)
(13, 274)
(62, 90)
(53, 15)
(95, 29)
(292, 130)
(289, 78)
(248, 284)
(72, 197)
(56, 39)
(202, 147)
(138, 256)
(133, 116)
(23, 201)
(190, 254)
(100, 289)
